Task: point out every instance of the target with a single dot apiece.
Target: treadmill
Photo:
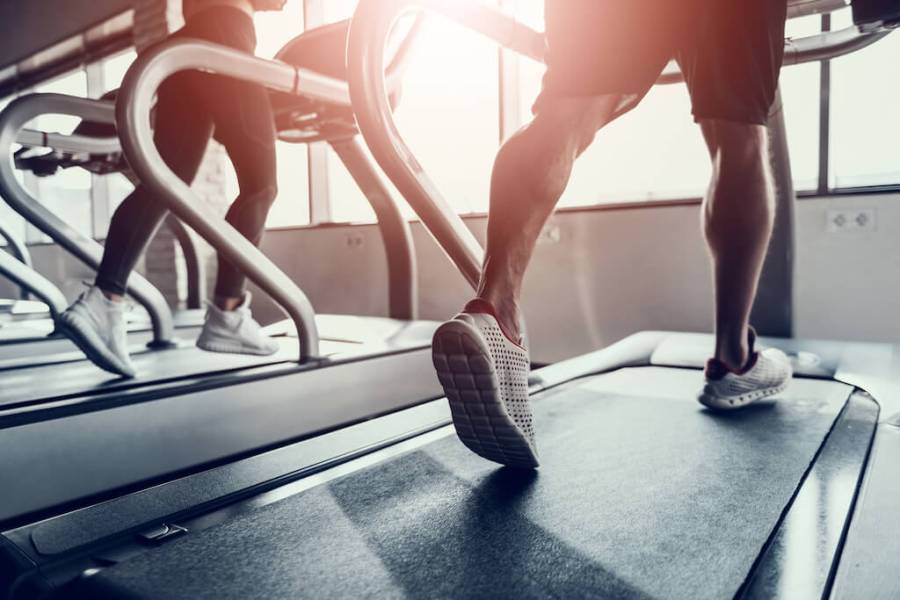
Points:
(73, 434)
(95, 148)
(642, 493)
(16, 266)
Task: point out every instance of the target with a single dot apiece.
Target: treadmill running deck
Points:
(640, 495)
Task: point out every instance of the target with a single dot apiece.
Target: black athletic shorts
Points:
(730, 51)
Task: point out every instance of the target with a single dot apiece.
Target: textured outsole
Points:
(725, 403)
(228, 349)
(470, 382)
(92, 346)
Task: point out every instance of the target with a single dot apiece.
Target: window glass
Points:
(448, 115)
(291, 209)
(654, 152)
(114, 69)
(275, 28)
(800, 96)
(865, 123)
(68, 192)
(11, 219)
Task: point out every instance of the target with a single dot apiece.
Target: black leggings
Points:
(191, 107)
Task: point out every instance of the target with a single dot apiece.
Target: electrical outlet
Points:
(857, 220)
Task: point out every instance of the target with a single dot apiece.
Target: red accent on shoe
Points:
(716, 369)
(483, 307)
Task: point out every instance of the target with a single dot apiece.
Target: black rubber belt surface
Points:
(638, 496)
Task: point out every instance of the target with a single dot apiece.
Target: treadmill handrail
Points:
(142, 80)
(12, 120)
(78, 144)
(72, 143)
(369, 31)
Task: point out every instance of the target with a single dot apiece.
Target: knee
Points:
(736, 148)
(265, 195)
(560, 132)
(571, 124)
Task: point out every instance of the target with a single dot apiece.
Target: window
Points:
(274, 30)
(800, 93)
(448, 115)
(114, 69)
(654, 152)
(864, 144)
(8, 217)
(67, 193)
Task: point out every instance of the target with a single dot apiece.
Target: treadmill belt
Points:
(638, 496)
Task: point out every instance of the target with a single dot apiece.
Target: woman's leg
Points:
(182, 132)
(247, 131)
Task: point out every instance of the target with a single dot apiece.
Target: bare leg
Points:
(530, 174)
(737, 222)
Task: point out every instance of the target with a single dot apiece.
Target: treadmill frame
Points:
(12, 121)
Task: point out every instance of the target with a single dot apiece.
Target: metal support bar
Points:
(73, 143)
(395, 231)
(193, 262)
(18, 250)
(12, 120)
(138, 89)
(28, 279)
(773, 311)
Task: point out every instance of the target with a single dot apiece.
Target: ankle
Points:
(228, 303)
(506, 311)
(112, 297)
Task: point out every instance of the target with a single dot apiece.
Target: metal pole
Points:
(773, 311)
(193, 262)
(395, 231)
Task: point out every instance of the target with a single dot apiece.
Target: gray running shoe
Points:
(235, 332)
(96, 325)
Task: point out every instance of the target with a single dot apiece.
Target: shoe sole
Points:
(725, 403)
(222, 348)
(470, 382)
(92, 346)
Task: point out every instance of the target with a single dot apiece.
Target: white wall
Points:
(601, 275)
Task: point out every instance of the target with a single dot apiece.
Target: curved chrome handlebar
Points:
(139, 88)
(12, 121)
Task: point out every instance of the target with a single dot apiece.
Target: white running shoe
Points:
(96, 325)
(767, 373)
(485, 378)
(234, 331)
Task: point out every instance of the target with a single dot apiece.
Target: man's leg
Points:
(737, 221)
(738, 214)
(478, 355)
(530, 174)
